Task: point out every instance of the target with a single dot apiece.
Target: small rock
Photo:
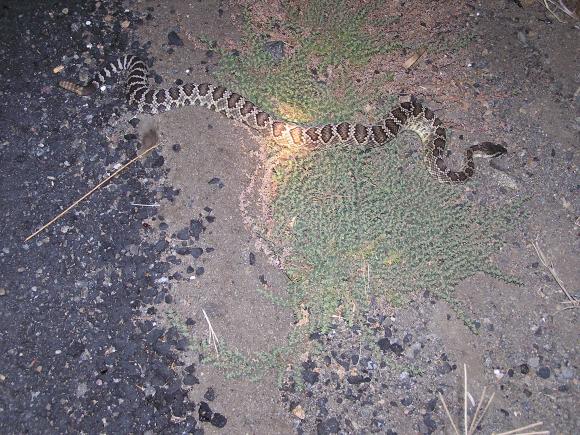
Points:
(209, 394)
(544, 372)
(174, 39)
(196, 252)
(328, 426)
(183, 234)
(310, 377)
(218, 420)
(205, 412)
(298, 411)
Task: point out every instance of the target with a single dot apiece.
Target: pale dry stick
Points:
(465, 399)
(550, 266)
(473, 426)
(135, 204)
(212, 339)
(448, 414)
(529, 426)
(551, 11)
(82, 198)
(477, 420)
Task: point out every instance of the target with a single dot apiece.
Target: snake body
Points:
(411, 115)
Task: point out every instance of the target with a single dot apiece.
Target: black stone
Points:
(183, 234)
(544, 372)
(209, 394)
(174, 39)
(205, 412)
(310, 377)
(218, 420)
(196, 228)
(328, 426)
(196, 252)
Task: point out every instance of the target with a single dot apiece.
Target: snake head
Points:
(488, 150)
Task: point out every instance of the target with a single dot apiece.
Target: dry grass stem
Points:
(519, 430)
(575, 303)
(408, 64)
(559, 5)
(469, 429)
(90, 192)
(212, 339)
(448, 414)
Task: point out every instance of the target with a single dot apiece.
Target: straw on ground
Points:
(470, 428)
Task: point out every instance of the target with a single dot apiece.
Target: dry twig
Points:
(561, 6)
(150, 136)
(212, 336)
(574, 303)
(469, 429)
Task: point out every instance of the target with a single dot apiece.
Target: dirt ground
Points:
(516, 81)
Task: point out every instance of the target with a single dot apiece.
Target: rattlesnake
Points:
(411, 115)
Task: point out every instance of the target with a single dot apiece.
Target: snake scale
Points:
(411, 115)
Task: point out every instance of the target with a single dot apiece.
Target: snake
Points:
(407, 116)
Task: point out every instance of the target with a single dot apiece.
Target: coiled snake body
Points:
(410, 115)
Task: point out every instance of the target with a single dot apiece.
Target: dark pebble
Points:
(205, 413)
(161, 245)
(328, 426)
(357, 379)
(209, 394)
(524, 369)
(163, 226)
(544, 372)
(158, 162)
(252, 258)
(190, 380)
(174, 39)
(310, 377)
(183, 234)
(196, 228)
(196, 252)
(431, 404)
(215, 181)
(183, 250)
(396, 348)
(384, 344)
(176, 147)
(130, 136)
(134, 122)
(444, 369)
(429, 422)
(407, 401)
(199, 271)
(218, 420)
